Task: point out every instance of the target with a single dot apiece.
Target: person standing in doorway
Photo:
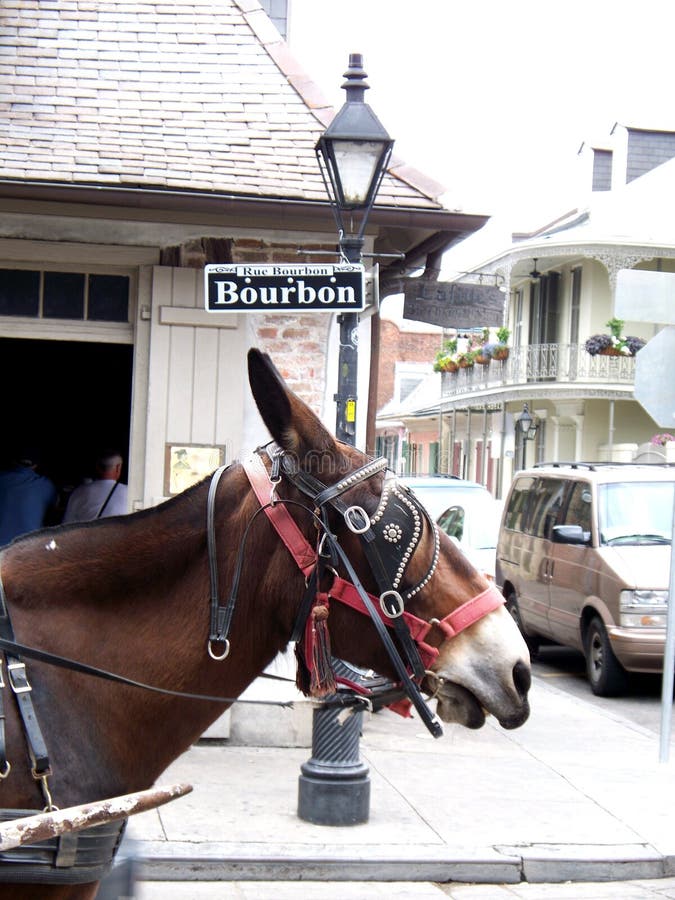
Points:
(26, 498)
(104, 496)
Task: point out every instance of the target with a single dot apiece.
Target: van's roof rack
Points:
(593, 466)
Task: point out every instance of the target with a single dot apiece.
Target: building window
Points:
(518, 324)
(64, 295)
(108, 298)
(19, 292)
(408, 376)
(575, 305)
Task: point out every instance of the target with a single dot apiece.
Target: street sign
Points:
(452, 305)
(643, 296)
(284, 287)
(654, 386)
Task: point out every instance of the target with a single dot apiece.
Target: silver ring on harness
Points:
(221, 656)
(350, 522)
(7, 770)
(394, 610)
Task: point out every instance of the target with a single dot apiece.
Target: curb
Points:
(539, 863)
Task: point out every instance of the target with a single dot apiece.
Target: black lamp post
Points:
(526, 427)
(353, 153)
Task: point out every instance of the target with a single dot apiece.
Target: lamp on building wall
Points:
(353, 154)
(526, 427)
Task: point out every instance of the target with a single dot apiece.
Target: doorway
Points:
(68, 399)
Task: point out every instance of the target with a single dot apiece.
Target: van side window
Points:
(579, 508)
(517, 508)
(547, 505)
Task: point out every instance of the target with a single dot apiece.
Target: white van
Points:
(583, 559)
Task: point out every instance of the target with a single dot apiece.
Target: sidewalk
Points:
(576, 794)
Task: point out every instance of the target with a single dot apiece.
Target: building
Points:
(406, 351)
(140, 142)
(561, 283)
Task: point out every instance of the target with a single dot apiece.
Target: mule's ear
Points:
(289, 420)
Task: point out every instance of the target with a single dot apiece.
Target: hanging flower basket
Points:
(450, 366)
(500, 351)
(483, 359)
(613, 344)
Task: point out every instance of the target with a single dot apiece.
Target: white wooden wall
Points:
(196, 377)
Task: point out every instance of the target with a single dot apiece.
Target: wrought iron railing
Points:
(541, 363)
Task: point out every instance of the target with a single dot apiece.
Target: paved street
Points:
(565, 670)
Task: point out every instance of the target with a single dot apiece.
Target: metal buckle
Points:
(2, 680)
(12, 670)
(219, 656)
(397, 606)
(351, 514)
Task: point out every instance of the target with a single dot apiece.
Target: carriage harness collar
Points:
(389, 539)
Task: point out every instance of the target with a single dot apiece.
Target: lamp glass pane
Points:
(357, 166)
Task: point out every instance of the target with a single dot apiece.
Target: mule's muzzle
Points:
(459, 704)
(522, 681)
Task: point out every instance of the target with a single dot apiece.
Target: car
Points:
(466, 511)
(583, 560)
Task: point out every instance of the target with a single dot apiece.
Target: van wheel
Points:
(514, 611)
(607, 676)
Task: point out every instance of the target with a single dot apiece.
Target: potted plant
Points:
(500, 350)
(445, 360)
(660, 440)
(613, 344)
(482, 354)
(466, 359)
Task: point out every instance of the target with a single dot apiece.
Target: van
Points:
(583, 560)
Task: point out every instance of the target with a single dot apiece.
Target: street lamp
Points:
(526, 427)
(353, 154)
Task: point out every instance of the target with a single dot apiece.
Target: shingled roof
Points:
(200, 97)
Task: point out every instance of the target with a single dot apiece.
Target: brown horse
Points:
(131, 595)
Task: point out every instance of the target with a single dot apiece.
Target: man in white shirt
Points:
(105, 496)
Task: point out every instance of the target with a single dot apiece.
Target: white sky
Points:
(493, 98)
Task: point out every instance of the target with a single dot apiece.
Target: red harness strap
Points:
(305, 556)
(451, 625)
(284, 523)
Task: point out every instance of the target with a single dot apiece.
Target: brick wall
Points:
(296, 342)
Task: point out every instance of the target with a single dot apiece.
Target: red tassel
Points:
(322, 677)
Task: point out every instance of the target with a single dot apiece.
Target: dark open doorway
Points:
(67, 398)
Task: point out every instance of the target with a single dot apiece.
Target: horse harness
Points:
(78, 857)
(389, 539)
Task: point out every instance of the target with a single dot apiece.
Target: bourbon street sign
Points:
(452, 305)
(285, 287)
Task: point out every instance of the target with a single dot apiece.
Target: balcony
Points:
(546, 366)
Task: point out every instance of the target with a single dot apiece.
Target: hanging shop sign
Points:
(452, 305)
(285, 287)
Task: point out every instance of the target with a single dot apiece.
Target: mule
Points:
(134, 595)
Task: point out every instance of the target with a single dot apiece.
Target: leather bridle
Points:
(389, 539)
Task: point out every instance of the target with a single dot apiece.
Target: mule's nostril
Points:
(522, 678)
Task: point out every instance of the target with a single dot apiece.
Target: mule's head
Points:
(482, 668)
